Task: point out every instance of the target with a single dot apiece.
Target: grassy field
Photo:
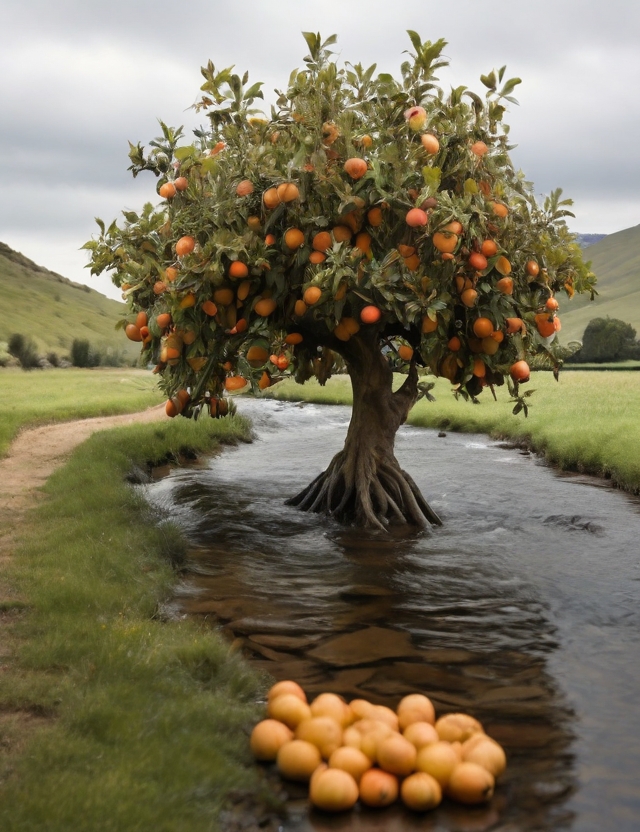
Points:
(53, 310)
(40, 396)
(587, 421)
(143, 723)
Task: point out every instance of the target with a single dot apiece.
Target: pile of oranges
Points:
(361, 751)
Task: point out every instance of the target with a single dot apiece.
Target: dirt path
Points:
(32, 458)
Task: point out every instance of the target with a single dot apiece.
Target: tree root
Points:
(369, 493)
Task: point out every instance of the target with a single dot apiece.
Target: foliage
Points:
(608, 339)
(24, 349)
(326, 116)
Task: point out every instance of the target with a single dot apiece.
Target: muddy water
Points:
(523, 609)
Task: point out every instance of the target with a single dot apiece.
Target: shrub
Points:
(24, 349)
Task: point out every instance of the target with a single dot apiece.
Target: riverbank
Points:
(585, 422)
(111, 716)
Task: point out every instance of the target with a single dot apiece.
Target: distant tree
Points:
(608, 339)
(24, 349)
(370, 222)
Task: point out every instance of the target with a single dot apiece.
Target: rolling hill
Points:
(616, 262)
(54, 310)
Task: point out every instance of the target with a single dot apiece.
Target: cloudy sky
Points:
(79, 78)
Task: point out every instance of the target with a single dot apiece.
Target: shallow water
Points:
(522, 609)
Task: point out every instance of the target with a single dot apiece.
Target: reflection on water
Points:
(522, 609)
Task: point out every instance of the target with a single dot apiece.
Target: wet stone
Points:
(425, 677)
(249, 626)
(513, 692)
(224, 610)
(284, 642)
(364, 647)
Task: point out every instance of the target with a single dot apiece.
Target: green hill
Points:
(54, 310)
(616, 263)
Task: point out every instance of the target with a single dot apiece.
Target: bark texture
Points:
(364, 483)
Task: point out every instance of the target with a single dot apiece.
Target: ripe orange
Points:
(370, 314)
(416, 217)
(209, 308)
(172, 408)
(469, 297)
(163, 320)
(499, 209)
(287, 707)
(330, 704)
(254, 223)
(181, 183)
(321, 241)
(406, 251)
(265, 306)
(378, 788)
(170, 273)
(333, 790)
(454, 345)
(454, 227)
(374, 217)
(185, 245)
(132, 332)
(544, 324)
(505, 285)
(532, 268)
(486, 752)
(187, 301)
(489, 248)
(364, 141)
(167, 191)
(438, 759)
(498, 335)
(470, 784)
(244, 188)
(323, 731)
(238, 269)
(286, 686)
(479, 148)
(243, 290)
(430, 143)
(294, 338)
(312, 295)
(342, 233)
(482, 327)
(217, 148)
(300, 308)
(268, 737)
(141, 319)
(355, 167)
(270, 198)
(256, 356)
(429, 324)
(552, 304)
(396, 755)
(503, 266)
(350, 759)
(363, 242)
(420, 734)
(445, 241)
(235, 383)
(415, 704)
(297, 760)
(223, 296)
(412, 263)
(287, 192)
(490, 345)
(520, 371)
(405, 352)
(421, 792)
(480, 371)
(477, 261)
(293, 238)
(457, 727)
(514, 325)
(317, 257)
(265, 381)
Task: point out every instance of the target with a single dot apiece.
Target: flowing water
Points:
(522, 609)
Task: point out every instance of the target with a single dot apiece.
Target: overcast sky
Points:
(79, 78)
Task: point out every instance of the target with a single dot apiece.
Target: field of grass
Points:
(53, 310)
(587, 421)
(40, 396)
(143, 722)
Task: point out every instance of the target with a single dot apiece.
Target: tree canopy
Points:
(608, 339)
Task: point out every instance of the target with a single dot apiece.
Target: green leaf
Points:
(415, 40)
(432, 177)
(182, 153)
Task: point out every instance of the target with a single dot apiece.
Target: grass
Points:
(146, 721)
(587, 421)
(40, 396)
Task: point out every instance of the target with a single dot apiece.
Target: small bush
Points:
(24, 349)
(53, 358)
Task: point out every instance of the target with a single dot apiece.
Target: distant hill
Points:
(54, 310)
(615, 259)
(586, 240)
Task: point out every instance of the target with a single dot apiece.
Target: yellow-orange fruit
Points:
(445, 241)
(505, 285)
(420, 734)
(351, 325)
(429, 325)
(181, 183)
(499, 209)
(132, 332)
(330, 704)
(333, 790)
(480, 371)
(351, 759)
(341, 233)
(417, 702)
(294, 338)
(503, 266)
(486, 752)
(361, 707)
(268, 737)
(167, 191)
(471, 784)
(489, 248)
(223, 297)
(235, 383)
(421, 792)
(322, 241)
(532, 268)
(396, 755)
(323, 731)
(438, 759)
(312, 295)
(254, 223)
(482, 327)
(159, 287)
(187, 301)
(288, 708)
(479, 148)
(457, 727)
(270, 198)
(287, 192)
(317, 257)
(293, 238)
(244, 188)
(170, 273)
(300, 308)
(363, 242)
(469, 297)
(405, 352)
(430, 143)
(256, 356)
(238, 269)
(378, 788)
(352, 737)
(374, 216)
(490, 345)
(185, 245)
(355, 167)
(297, 760)
(265, 306)
(209, 308)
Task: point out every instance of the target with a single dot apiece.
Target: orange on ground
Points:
(421, 792)
(378, 788)
(268, 737)
(416, 703)
(238, 269)
(355, 167)
(457, 727)
(438, 759)
(288, 707)
(265, 306)
(396, 755)
(323, 731)
(420, 734)
(312, 295)
(297, 760)
(350, 759)
(333, 790)
(470, 784)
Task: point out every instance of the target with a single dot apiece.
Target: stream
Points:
(523, 609)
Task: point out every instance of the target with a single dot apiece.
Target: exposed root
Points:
(366, 492)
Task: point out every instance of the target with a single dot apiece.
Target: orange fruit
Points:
(286, 686)
(454, 227)
(294, 338)
(170, 274)
(350, 759)
(235, 383)
(454, 343)
(444, 241)
(552, 304)
(265, 381)
(438, 759)
(159, 287)
(469, 297)
(412, 263)
(486, 752)
(520, 371)
(470, 784)
(270, 198)
(502, 265)
(256, 356)
(370, 315)
(490, 345)
(477, 261)
(242, 292)
(238, 269)
(361, 708)
(479, 148)
(287, 707)
(321, 241)
(172, 408)
(480, 371)
(244, 188)
(330, 704)
(482, 327)
(428, 324)
(185, 245)
(341, 233)
(406, 251)
(405, 352)
(352, 738)
(181, 183)
(265, 306)
(267, 738)
(223, 296)
(457, 727)
(163, 320)
(312, 295)
(514, 325)
(254, 223)
(498, 335)
(317, 257)
(141, 319)
(333, 790)
(505, 285)
(416, 217)
(217, 148)
(416, 703)
(420, 734)
(378, 788)
(532, 268)
(187, 301)
(355, 167)
(544, 324)
(374, 217)
(323, 731)
(287, 192)
(396, 755)
(420, 792)
(386, 715)
(132, 332)
(499, 209)
(297, 760)
(300, 308)
(293, 238)
(210, 308)
(167, 191)
(363, 242)
(489, 248)
(430, 143)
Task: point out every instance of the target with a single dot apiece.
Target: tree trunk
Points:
(364, 484)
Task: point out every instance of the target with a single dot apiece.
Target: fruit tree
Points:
(370, 223)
